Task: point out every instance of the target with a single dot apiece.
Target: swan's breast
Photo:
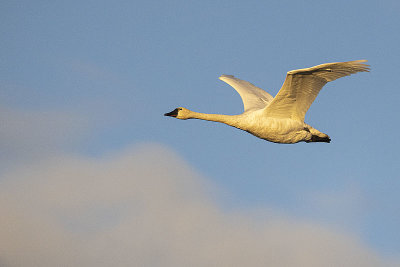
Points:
(274, 129)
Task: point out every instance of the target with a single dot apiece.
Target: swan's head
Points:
(179, 113)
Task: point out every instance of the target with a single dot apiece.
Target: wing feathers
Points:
(302, 86)
(252, 96)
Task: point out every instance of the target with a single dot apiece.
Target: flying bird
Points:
(280, 119)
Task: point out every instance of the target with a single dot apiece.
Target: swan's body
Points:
(280, 119)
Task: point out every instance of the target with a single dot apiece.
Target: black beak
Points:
(173, 113)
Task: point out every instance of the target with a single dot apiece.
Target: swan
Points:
(280, 119)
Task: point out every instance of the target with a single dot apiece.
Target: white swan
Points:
(280, 119)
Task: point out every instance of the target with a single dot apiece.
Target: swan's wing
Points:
(302, 86)
(252, 96)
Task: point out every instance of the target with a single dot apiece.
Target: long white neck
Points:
(232, 120)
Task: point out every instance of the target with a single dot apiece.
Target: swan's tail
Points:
(317, 136)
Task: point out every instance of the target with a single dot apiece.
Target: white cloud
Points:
(147, 207)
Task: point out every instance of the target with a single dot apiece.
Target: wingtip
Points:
(361, 63)
(225, 76)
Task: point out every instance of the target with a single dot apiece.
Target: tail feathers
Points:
(314, 135)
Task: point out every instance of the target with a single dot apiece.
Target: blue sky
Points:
(90, 80)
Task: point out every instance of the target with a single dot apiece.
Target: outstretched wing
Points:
(252, 96)
(302, 86)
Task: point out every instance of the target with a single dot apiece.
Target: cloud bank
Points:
(146, 207)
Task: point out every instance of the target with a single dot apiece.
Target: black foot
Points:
(316, 138)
